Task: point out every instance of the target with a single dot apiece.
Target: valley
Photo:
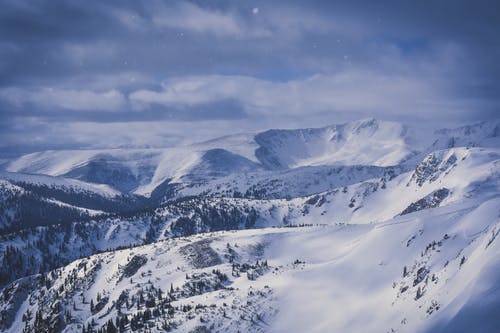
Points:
(281, 231)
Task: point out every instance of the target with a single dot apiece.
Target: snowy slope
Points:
(21, 208)
(291, 279)
(29, 200)
(436, 182)
(483, 134)
(446, 176)
(59, 182)
(289, 183)
(359, 274)
(354, 227)
(368, 142)
(119, 168)
(176, 165)
(9, 194)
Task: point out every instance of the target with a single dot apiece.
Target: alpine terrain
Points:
(366, 226)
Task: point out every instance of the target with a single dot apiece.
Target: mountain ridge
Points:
(210, 239)
(140, 171)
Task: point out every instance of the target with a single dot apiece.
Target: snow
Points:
(353, 278)
(371, 204)
(345, 273)
(483, 134)
(90, 212)
(366, 142)
(75, 184)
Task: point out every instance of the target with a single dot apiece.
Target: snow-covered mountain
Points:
(350, 227)
(424, 272)
(29, 200)
(484, 134)
(367, 142)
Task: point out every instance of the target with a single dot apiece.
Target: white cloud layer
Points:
(344, 92)
(355, 91)
(162, 72)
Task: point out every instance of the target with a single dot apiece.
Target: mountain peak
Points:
(485, 134)
(345, 144)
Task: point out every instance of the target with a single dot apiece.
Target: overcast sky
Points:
(92, 74)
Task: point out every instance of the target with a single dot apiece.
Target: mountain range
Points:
(361, 226)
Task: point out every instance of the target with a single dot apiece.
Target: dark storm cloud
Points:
(97, 66)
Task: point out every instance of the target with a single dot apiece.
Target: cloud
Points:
(350, 91)
(219, 66)
(186, 17)
(80, 53)
(189, 17)
(78, 100)
(36, 134)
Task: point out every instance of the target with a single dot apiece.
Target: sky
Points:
(114, 74)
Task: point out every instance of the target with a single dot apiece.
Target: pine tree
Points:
(462, 261)
(111, 327)
(419, 293)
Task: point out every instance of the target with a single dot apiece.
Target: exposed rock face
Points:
(430, 201)
(200, 254)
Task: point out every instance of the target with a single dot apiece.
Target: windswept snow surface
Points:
(367, 142)
(347, 278)
(358, 227)
(353, 278)
(59, 182)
